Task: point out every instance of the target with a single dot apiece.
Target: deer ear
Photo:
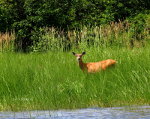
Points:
(73, 53)
(83, 53)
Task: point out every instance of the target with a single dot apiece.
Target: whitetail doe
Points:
(92, 67)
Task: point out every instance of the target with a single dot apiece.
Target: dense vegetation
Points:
(121, 34)
(29, 17)
(54, 80)
(47, 77)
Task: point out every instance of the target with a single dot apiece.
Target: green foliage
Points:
(138, 24)
(66, 13)
(26, 16)
(23, 34)
(6, 19)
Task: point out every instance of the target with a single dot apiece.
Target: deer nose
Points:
(78, 58)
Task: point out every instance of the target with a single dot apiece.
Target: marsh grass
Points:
(53, 80)
(7, 41)
(121, 34)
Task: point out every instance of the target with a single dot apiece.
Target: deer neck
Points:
(82, 65)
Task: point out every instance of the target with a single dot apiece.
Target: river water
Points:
(134, 112)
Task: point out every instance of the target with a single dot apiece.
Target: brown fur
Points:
(94, 66)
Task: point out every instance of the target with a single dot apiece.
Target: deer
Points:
(93, 67)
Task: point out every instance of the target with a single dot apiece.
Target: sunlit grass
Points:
(53, 80)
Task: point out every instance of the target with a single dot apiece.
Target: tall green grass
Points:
(53, 80)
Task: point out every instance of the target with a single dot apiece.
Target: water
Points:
(134, 112)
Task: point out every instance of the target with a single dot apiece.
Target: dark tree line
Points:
(27, 16)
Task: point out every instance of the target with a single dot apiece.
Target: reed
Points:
(7, 41)
(115, 34)
(121, 34)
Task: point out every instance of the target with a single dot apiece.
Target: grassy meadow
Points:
(53, 79)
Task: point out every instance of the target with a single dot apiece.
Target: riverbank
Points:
(86, 113)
